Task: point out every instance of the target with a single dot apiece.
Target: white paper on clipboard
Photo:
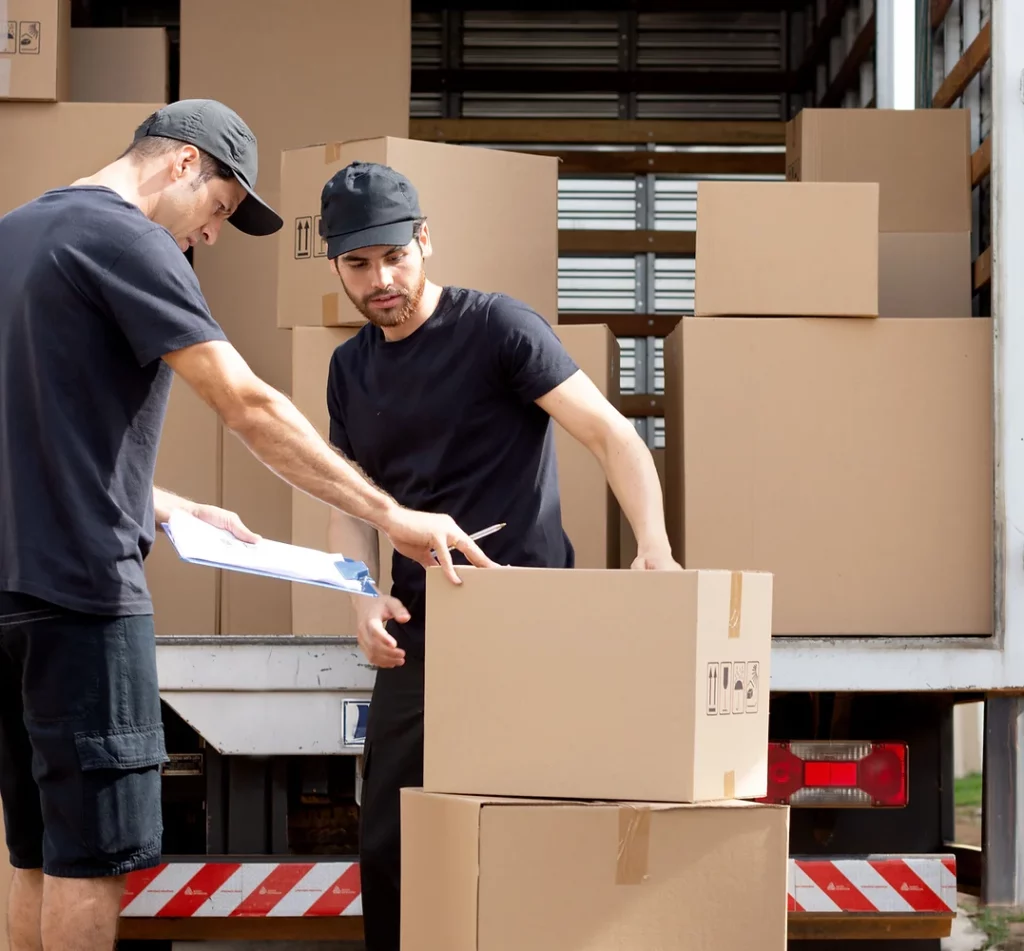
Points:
(201, 543)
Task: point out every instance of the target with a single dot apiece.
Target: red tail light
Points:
(837, 774)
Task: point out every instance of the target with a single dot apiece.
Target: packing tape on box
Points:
(332, 152)
(330, 309)
(735, 602)
(729, 785)
(634, 845)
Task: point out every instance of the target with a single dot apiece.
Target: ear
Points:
(425, 246)
(186, 159)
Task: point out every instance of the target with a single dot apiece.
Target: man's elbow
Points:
(246, 409)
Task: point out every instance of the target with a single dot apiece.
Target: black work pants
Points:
(392, 758)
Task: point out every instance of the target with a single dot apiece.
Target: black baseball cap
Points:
(213, 127)
(367, 204)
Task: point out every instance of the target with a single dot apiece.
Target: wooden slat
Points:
(983, 268)
(598, 131)
(850, 70)
(638, 405)
(967, 67)
(587, 241)
(627, 325)
(939, 9)
(981, 161)
(576, 162)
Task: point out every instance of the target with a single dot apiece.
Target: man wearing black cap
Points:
(98, 306)
(445, 399)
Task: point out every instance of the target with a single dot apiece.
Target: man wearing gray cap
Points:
(98, 307)
(447, 398)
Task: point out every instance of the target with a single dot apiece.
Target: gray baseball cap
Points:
(213, 127)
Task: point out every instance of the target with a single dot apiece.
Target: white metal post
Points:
(895, 53)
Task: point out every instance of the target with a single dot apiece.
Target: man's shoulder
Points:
(353, 350)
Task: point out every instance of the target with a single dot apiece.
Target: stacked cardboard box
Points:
(848, 453)
(921, 161)
(552, 815)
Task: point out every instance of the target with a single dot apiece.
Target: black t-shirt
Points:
(92, 295)
(445, 421)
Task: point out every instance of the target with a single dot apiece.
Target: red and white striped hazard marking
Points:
(244, 890)
(922, 884)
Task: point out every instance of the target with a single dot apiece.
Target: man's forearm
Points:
(629, 468)
(286, 442)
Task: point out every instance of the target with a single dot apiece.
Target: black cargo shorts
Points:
(81, 740)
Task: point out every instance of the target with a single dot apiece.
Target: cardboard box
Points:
(109, 64)
(921, 158)
(320, 611)
(34, 36)
(924, 274)
(250, 604)
(35, 139)
(505, 875)
(463, 192)
(786, 249)
(317, 57)
(535, 686)
(852, 459)
(590, 511)
(185, 596)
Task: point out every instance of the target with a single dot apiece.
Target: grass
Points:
(995, 924)
(968, 790)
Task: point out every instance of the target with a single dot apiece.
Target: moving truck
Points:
(265, 731)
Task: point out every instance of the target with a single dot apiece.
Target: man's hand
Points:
(655, 560)
(427, 538)
(222, 518)
(380, 648)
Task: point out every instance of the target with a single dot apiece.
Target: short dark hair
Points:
(417, 228)
(153, 146)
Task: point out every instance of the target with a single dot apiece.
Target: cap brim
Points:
(396, 235)
(254, 216)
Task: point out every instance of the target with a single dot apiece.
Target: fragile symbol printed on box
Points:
(28, 40)
(10, 38)
(732, 687)
(303, 237)
(319, 243)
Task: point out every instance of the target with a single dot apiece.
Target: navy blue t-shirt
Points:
(445, 421)
(92, 295)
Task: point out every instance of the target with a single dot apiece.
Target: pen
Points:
(476, 536)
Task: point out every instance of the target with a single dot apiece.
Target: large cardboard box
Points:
(250, 604)
(786, 249)
(590, 511)
(505, 875)
(292, 76)
(921, 158)
(924, 274)
(524, 667)
(34, 36)
(315, 610)
(185, 596)
(463, 190)
(852, 459)
(109, 64)
(35, 139)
